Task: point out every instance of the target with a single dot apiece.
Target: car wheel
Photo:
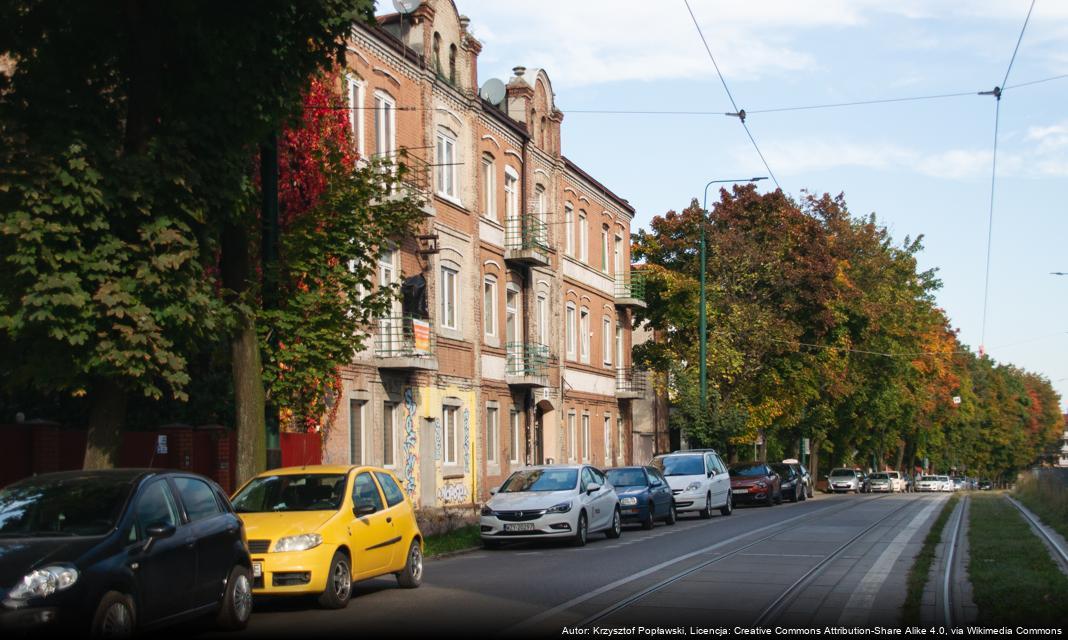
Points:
(728, 506)
(411, 576)
(797, 494)
(237, 601)
(706, 513)
(338, 583)
(673, 515)
(114, 617)
(582, 531)
(778, 497)
(648, 523)
(616, 529)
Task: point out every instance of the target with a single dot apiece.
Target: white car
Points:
(930, 483)
(947, 483)
(552, 501)
(898, 480)
(699, 481)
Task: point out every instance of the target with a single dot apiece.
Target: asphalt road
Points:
(831, 560)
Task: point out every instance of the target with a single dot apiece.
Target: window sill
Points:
(454, 334)
(452, 474)
(450, 199)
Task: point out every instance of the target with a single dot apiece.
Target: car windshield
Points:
(541, 480)
(746, 470)
(843, 473)
(680, 465)
(928, 479)
(626, 477)
(297, 492)
(879, 476)
(784, 470)
(66, 506)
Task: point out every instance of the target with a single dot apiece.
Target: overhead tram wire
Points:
(739, 113)
(997, 92)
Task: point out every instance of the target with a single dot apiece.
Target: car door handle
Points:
(389, 519)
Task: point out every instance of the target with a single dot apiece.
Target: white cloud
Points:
(1050, 138)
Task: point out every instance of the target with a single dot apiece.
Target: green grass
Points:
(1014, 579)
(456, 540)
(1047, 497)
(921, 568)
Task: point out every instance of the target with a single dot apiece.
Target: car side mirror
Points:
(159, 530)
(711, 473)
(494, 491)
(592, 487)
(363, 509)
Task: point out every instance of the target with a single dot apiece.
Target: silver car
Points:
(881, 483)
(844, 480)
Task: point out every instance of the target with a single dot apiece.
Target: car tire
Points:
(616, 528)
(411, 576)
(706, 513)
(582, 531)
(673, 514)
(797, 494)
(236, 606)
(115, 617)
(649, 522)
(728, 506)
(338, 589)
(778, 497)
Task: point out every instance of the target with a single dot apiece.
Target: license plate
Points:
(740, 491)
(519, 527)
(257, 569)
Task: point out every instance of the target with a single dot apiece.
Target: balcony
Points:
(405, 343)
(527, 365)
(411, 177)
(526, 241)
(631, 383)
(630, 289)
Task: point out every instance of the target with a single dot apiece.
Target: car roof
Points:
(554, 466)
(317, 468)
(691, 451)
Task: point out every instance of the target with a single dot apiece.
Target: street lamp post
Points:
(704, 312)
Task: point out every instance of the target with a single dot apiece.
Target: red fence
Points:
(299, 449)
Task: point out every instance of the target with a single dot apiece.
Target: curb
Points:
(458, 552)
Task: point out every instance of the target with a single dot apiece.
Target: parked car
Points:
(806, 477)
(844, 480)
(644, 495)
(314, 530)
(960, 484)
(791, 482)
(929, 483)
(552, 501)
(755, 483)
(985, 485)
(881, 483)
(898, 481)
(107, 553)
(698, 480)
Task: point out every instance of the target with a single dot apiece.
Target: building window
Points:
(584, 335)
(571, 330)
(511, 193)
(491, 435)
(437, 52)
(355, 96)
(489, 306)
(621, 361)
(569, 229)
(513, 445)
(542, 312)
(446, 164)
(450, 416)
(604, 249)
(452, 64)
(450, 297)
(583, 239)
(619, 434)
(356, 432)
(607, 440)
(619, 255)
(489, 187)
(585, 437)
(388, 432)
(540, 203)
(572, 438)
(606, 341)
(385, 124)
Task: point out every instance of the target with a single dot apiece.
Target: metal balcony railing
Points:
(527, 359)
(404, 337)
(630, 285)
(631, 381)
(526, 232)
(415, 173)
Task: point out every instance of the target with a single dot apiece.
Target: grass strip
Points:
(921, 568)
(1047, 497)
(1014, 579)
(455, 540)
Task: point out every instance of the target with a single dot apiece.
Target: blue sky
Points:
(922, 167)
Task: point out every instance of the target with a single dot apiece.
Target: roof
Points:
(603, 189)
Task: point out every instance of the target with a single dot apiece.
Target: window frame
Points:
(493, 420)
(583, 237)
(389, 434)
(569, 229)
(357, 86)
(572, 436)
(446, 157)
(571, 319)
(584, 335)
(514, 423)
(383, 99)
(449, 291)
(450, 444)
(607, 439)
(489, 186)
(586, 437)
(606, 341)
(489, 309)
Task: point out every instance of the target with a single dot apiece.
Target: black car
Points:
(792, 483)
(644, 495)
(806, 477)
(110, 552)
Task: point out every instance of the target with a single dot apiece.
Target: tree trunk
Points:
(814, 461)
(247, 367)
(106, 419)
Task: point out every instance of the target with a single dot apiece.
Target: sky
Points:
(923, 167)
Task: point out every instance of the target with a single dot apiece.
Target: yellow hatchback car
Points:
(317, 529)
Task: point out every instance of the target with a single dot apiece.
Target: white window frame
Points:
(389, 434)
(617, 263)
(569, 229)
(449, 291)
(583, 238)
(513, 417)
(356, 96)
(585, 437)
(584, 335)
(604, 249)
(489, 308)
(572, 436)
(489, 187)
(492, 433)
(447, 159)
(620, 436)
(607, 439)
(541, 310)
(540, 202)
(358, 407)
(606, 341)
(511, 193)
(450, 434)
(385, 145)
(571, 319)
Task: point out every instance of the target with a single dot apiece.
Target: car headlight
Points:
(43, 582)
(303, 542)
(486, 511)
(563, 507)
(761, 484)
(629, 501)
(694, 486)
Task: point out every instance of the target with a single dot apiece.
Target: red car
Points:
(755, 483)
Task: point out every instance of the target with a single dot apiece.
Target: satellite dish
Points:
(492, 91)
(405, 6)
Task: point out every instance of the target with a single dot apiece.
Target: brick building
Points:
(511, 343)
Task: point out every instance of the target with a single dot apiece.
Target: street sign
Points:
(805, 446)
(161, 444)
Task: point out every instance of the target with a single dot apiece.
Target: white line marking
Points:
(781, 555)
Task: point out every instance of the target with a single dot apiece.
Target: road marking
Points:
(863, 598)
(781, 555)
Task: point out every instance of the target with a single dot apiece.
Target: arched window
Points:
(584, 335)
(437, 52)
(452, 63)
(572, 330)
(489, 307)
(447, 176)
(489, 186)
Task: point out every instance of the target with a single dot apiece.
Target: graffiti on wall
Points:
(409, 441)
(437, 439)
(453, 493)
(467, 441)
